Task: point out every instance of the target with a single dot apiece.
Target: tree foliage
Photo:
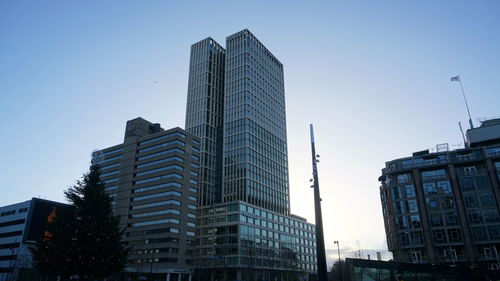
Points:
(83, 239)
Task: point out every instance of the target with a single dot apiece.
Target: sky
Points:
(372, 76)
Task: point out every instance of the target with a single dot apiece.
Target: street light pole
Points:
(340, 264)
(320, 240)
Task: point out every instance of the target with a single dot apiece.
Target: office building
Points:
(153, 179)
(21, 226)
(236, 106)
(443, 206)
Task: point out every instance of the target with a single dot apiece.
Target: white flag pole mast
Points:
(466, 104)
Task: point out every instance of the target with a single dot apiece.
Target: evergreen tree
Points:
(83, 239)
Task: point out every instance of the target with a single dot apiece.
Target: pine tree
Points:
(83, 239)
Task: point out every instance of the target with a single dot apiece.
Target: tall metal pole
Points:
(320, 240)
(459, 80)
(466, 104)
(340, 264)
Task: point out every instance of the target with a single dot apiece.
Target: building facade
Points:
(236, 106)
(443, 207)
(153, 180)
(21, 226)
(204, 114)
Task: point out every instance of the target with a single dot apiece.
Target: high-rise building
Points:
(204, 114)
(21, 226)
(443, 206)
(236, 106)
(153, 180)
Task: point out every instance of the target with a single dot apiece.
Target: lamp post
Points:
(320, 240)
(340, 264)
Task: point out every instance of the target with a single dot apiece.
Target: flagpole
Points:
(466, 104)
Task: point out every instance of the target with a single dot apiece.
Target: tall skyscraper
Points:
(443, 207)
(204, 114)
(236, 106)
(255, 146)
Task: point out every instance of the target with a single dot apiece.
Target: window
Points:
(168, 176)
(430, 188)
(437, 220)
(110, 173)
(444, 186)
(192, 207)
(162, 221)
(414, 221)
(404, 238)
(433, 174)
(155, 204)
(152, 163)
(439, 236)
(158, 186)
(403, 178)
(412, 206)
(161, 169)
(432, 203)
(451, 218)
(191, 215)
(410, 191)
(156, 213)
(494, 232)
(172, 150)
(475, 217)
(454, 235)
(190, 233)
(190, 224)
(110, 188)
(175, 134)
(478, 233)
(168, 193)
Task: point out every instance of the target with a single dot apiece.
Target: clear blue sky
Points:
(373, 76)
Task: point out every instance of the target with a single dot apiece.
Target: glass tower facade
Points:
(255, 147)
(204, 114)
(236, 106)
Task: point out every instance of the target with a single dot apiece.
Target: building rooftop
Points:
(486, 134)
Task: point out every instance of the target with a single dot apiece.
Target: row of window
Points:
(156, 195)
(157, 213)
(154, 222)
(164, 152)
(175, 134)
(161, 145)
(168, 159)
(161, 169)
(162, 177)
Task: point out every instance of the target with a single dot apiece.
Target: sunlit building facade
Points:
(443, 207)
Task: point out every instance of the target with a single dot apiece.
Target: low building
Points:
(153, 179)
(241, 241)
(21, 226)
(443, 206)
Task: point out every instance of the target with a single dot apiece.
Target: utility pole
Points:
(320, 240)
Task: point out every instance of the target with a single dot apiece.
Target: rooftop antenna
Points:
(457, 79)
